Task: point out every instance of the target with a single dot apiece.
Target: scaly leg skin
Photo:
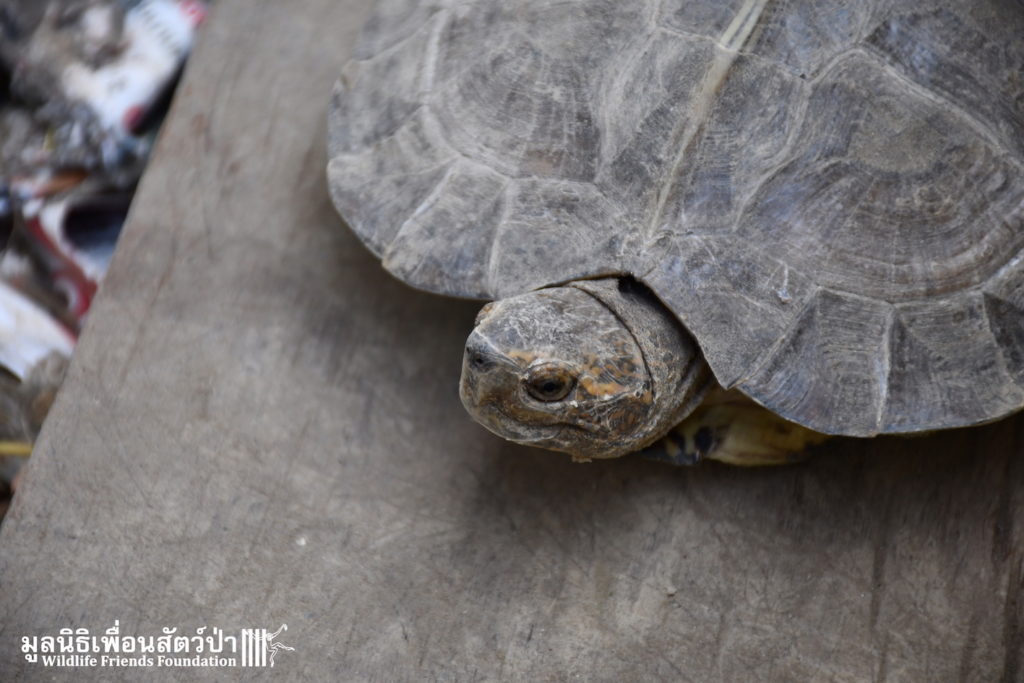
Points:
(731, 428)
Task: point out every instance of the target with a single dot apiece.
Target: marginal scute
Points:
(464, 209)
(1004, 303)
(377, 189)
(830, 372)
(1006, 319)
(947, 368)
(391, 84)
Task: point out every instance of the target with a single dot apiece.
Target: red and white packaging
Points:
(157, 36)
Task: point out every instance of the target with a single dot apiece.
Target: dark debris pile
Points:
(84, 85)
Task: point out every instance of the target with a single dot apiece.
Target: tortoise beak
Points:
(480, 362)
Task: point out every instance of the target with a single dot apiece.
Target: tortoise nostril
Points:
(478, 360)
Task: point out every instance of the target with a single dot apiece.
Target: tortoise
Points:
(817, 205)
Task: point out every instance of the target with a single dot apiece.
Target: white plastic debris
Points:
(157, 37)
(27, 333)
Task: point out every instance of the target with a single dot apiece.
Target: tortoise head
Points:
(596, 369)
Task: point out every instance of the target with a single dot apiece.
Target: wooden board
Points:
(260, 427)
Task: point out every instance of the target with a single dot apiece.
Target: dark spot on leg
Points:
(671, 443)
(690, 459)
(704, 440)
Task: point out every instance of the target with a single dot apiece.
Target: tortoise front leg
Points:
(731, 428)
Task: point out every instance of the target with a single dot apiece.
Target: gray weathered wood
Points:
(261, 427)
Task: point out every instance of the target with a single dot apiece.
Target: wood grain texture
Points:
(252, 380)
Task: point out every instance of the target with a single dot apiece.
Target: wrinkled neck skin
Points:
(597, 369)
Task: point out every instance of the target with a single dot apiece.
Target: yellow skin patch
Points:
(600, 389)
(524, 357)
(610, 377)
(731, 428)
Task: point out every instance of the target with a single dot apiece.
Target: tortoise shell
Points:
(829, 195)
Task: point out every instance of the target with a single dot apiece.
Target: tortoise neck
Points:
(678, 372)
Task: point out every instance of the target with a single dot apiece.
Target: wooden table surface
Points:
(260, 427)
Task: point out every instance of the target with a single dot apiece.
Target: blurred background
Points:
(84, 86)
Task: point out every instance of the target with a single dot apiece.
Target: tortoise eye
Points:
(549, 383)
